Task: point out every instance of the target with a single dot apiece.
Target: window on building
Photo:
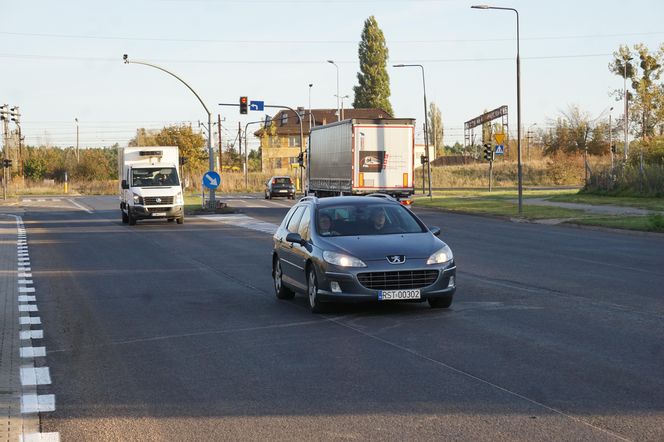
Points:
(277, 163)
(294, 141)
(284, 118)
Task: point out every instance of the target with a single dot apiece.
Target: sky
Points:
(63, 60)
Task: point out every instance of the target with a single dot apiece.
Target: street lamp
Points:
(518, 100)
(125, 57)
(310, 86)
(342, 104)
(338, 108)
(426, 120)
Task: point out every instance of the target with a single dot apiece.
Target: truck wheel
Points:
(170, 220)
(125, 219)
(180, 220)
(130, 218)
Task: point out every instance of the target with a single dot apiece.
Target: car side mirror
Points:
(435, 230)
(124, 184)
(295, 238)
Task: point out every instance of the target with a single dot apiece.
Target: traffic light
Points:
(423, 159)
(243, 105)
(7, 163)
(14, 114)
(4, 112)
(488, 152)
(300, 159)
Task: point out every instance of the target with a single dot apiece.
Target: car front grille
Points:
(405, 279)
(163, 200)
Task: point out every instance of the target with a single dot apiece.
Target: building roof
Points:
(287, 124)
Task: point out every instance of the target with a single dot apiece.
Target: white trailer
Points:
(150, 183)
(362, 156)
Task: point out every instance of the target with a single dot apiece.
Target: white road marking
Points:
(35, 376)
(37, 403)
(24, 269)
(26, 298)
(26, 289)
(79, 206)
(32, 352)
(39, 437)
(31, 334)
(25, 275)
(27, 308)
(25, 281)
(29, 320)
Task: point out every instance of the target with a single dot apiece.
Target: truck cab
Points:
(150, 186)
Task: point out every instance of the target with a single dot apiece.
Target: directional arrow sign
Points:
(211, 179)
(257, 105)
(499, 138)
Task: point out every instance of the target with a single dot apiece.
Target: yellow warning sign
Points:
(499, 138)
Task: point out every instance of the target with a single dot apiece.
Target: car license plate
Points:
(395, 295)
(283, 191)
(159, 214)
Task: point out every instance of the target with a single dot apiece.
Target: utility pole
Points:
(77, 156)
(626, 148)
(221, 164)
(239, 140)
(4, 115)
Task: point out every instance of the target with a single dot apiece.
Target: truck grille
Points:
(163, 200)
(405, 279)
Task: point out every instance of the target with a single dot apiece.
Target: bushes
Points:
(628, 179)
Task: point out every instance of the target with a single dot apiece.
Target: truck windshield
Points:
(154, 177)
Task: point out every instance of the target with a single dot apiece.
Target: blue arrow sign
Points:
(500, 149)
(211, 179)
(256, 105)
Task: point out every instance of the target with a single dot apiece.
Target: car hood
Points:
(377, 247)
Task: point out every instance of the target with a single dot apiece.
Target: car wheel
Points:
(441, 302)
(180, 220)
(279, 289)
(266, 197)
(312, 291)
(125, 218)
(130, 218)
(170, 220)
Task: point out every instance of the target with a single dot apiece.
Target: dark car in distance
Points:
(349, 249)
(279, 186)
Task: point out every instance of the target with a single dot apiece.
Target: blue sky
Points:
(63, 60)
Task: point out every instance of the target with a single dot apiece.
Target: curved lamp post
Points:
(426, 120)
(518, 100)
(125, 57)
(338, 109)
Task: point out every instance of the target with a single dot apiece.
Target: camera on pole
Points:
(7, 163)
(488, 152)
(244, 105)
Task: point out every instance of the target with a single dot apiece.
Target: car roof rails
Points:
(382, 195)
(308, 198)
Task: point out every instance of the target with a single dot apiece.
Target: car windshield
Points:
(354, 220)
(281, 180)
(154, 177)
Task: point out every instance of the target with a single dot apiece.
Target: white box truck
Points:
(362, 156)
(150, 183)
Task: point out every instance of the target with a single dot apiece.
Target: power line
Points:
(262, 42)
(277, 62)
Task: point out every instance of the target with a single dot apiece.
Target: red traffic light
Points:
(243, 105)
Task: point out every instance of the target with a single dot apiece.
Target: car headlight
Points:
(138, 199)
(441, 256)
(178, 199)
(342, 260)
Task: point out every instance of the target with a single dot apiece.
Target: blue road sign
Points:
(211, 179)
(500, 149)
(256, 105)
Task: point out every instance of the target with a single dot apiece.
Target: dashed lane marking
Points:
(243, 221)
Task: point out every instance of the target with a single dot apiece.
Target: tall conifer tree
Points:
(373, 90)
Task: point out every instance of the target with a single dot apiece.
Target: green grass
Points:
(503, 203)
(647, 203)
(496, 205)
(652, 223)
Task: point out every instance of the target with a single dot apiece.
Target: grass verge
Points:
(651, 223)
(647, 203)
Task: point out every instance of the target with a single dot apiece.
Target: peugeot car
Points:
(279, 186)
(351, 248)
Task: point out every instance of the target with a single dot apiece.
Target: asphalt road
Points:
(167, 332)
